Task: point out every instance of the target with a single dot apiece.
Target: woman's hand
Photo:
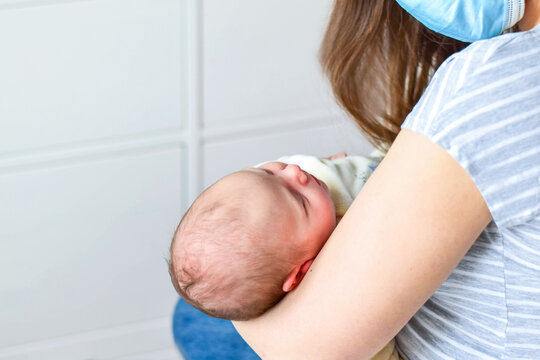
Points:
(336, 156)
(409, 227)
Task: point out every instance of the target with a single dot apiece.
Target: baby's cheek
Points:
(326, 213)
(331, 209)
(329, 221)
(329, 216)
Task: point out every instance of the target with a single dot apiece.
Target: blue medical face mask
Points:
(466, 20)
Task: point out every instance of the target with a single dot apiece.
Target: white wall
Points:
(114, 114)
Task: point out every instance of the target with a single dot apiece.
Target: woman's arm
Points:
(409, 227)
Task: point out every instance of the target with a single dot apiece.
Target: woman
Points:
(442, 245)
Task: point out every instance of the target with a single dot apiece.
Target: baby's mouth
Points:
(321, 184)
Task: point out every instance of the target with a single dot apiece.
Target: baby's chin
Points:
(322, 242)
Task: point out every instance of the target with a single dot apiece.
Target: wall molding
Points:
(195, 105)
(120, 341)
(165, 354)
(270, 125)
(77, 152)
(20, 4)
(65, 154)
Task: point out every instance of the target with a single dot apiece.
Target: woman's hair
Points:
(379, 60)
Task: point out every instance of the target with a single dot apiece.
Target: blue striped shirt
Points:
(483, 107)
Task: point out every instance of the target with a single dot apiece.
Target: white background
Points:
(114, 114)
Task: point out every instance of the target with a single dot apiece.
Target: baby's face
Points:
(306, 210)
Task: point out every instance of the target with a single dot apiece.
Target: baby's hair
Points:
(223, 266)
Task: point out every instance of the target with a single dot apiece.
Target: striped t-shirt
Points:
(483, 107)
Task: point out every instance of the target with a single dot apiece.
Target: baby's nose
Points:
(293, 168)
(295, 171)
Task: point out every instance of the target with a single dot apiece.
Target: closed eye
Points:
(266, 171)
(301, 199)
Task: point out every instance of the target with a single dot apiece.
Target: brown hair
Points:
(379, 60)
(224, 267)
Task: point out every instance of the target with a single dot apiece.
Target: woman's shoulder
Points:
(521, 49)
(482, 108)
(501, 72)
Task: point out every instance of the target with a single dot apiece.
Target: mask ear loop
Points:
(515, 11)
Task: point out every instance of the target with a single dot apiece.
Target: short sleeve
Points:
(483, 107)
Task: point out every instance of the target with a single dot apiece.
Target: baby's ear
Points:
(296, 275)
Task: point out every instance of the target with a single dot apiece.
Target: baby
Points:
(251, 237)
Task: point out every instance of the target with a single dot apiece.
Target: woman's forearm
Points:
(408, 229)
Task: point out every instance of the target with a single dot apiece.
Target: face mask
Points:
(466, 20)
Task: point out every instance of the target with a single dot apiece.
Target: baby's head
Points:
(250, 238)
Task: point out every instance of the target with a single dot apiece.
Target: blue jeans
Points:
(201, 337)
